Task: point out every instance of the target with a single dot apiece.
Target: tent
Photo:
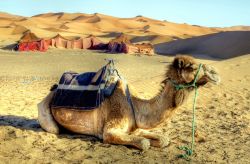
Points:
(59, 41)
(96, 43)
(122, 44)
(30, 42)
(119, 44)
(90, 42)
(145, 48)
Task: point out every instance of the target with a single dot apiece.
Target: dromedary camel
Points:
(116, 123)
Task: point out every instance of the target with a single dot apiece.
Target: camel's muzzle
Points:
(211, 73)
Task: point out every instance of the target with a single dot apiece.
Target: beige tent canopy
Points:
(90, 42)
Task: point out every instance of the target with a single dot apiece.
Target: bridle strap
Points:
(192, 84)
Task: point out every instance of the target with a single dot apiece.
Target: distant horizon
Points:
(209, 14)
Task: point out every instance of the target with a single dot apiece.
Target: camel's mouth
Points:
(212, 74)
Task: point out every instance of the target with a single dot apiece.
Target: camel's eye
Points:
(190, 69)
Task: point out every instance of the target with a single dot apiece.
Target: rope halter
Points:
(192, 84)
(187, 150)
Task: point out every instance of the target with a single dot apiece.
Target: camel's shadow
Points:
(24, 123)
(20, 122)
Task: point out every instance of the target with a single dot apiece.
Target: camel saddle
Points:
(85, 91)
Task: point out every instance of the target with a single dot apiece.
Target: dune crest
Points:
(222, 45)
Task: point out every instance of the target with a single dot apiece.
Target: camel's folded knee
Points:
(126, 139)
(156, 140)
(45, 117)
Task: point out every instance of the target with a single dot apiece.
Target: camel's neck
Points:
(150, 113)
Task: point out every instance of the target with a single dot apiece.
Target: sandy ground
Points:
(223, 111)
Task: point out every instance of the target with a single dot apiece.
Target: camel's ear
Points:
(178, 63)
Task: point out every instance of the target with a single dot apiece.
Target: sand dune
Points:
(8, 19)
(63, 26)
(7, 31)
(5, 23)
(4, 15)
(80, 18)
(222, 45)
(139, 25)
(153, 39)
(49, 24)
(93, 19)
(60, 16)
(19, 30)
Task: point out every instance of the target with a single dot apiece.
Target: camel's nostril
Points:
(212, 74)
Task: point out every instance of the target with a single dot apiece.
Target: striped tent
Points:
(30, 42)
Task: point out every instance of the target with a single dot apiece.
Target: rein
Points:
(189, 151)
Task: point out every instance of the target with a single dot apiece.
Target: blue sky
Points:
(197, 12)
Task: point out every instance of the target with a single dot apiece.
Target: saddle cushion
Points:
(83, 91)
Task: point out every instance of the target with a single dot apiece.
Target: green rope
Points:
(192, 84)
(189, 151)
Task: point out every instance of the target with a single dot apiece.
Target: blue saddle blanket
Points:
(85, 91)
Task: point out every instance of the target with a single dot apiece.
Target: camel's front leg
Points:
(114, 136)
(156, 140)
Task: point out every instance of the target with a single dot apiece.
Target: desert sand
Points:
(223, 111)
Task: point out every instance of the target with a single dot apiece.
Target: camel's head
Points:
(183, 71)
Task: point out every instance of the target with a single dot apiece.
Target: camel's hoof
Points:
(145, 144)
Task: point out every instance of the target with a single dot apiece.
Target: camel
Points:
(116, 123)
